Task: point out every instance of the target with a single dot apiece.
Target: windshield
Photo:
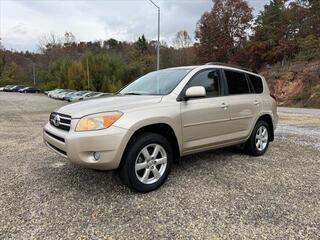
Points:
(156, 83)
(92, 94)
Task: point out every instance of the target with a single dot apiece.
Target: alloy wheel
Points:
(262, 138)
(151, 163)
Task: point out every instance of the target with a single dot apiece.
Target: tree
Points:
(182, 43)
(274, 32)
(77, 76)
(142, 59)
(309, 47)
(182, 39)
(221, 31)
(69, 39)
(2, 61)
(11, 74)
(112, 44)
(270, 23)
(312, 21)
(1, 46)
(141, 45)
(48, 41)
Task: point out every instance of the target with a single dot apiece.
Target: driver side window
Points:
(210, 80)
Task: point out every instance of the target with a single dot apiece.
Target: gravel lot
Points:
(221, 194)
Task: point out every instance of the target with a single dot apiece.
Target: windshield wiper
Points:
(132, 93)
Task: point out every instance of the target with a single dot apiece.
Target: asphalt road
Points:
(220, 194)
(303, 111)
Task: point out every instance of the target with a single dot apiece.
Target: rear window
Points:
(237, 82)
(256, 83)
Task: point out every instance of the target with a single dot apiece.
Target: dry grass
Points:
(302, 119)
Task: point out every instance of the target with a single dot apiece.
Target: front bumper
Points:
(78, 147)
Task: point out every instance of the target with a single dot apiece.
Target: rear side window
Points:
(256, 83)
(237, 82)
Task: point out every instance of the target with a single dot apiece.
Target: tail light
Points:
(273, 96)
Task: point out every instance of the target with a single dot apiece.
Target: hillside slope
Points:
(295, 84)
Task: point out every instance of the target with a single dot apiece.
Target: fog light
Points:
(96, 156)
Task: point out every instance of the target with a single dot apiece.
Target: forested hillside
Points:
(282, 42)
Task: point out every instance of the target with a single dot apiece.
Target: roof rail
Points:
(230, 65)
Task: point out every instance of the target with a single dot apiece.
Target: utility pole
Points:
(88, 74)
(158, 43)
(34, 73)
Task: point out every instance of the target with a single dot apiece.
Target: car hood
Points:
(114, 103)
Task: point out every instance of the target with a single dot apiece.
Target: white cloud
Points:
(23, 22)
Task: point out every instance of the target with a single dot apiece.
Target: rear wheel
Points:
(147, 162)
(258, 142)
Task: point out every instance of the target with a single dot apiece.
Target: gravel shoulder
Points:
(220, 194)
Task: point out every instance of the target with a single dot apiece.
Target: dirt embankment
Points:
(295, 84)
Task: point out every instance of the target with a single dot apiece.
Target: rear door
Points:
(244, 104)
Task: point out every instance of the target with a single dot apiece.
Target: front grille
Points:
(60, 121)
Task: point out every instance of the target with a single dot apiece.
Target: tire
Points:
(258, 142)
(154, 168)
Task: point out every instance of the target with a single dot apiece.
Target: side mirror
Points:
(195, 92)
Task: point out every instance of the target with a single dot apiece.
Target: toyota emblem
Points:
(56, 120)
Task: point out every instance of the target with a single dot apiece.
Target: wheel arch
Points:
(163, 129)
(268, 119)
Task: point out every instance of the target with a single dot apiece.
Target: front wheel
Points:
(258, 142)
(147, 162)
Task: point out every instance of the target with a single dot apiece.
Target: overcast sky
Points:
(22, 22)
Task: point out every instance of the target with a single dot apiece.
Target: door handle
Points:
(256, 102)
(224, 105)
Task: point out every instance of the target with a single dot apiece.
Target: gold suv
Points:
(162, 116)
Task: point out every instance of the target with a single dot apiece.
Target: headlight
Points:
(98, 121)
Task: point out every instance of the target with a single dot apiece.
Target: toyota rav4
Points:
(162, 116)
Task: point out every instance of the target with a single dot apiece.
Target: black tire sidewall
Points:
(252, 143)
(139, 143)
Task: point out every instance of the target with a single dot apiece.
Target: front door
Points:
(205, 120)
